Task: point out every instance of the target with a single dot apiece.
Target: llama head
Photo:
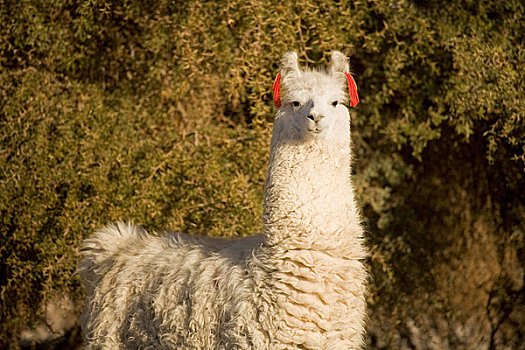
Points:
(313, 102)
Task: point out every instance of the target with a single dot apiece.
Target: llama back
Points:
(162, 291)
(98, 251)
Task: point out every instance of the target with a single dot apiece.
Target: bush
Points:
(160, 112)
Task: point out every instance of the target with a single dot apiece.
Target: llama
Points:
(300, 284)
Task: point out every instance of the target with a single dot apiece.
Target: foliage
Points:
(160, 112)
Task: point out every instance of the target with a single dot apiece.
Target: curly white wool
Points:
(300, 284)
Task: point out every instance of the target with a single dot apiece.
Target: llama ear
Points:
(339, 63)
(289, 64)
(289, 67)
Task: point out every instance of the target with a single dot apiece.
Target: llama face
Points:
(313, 109)
(312, 102)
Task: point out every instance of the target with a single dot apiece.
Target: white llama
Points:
(298, 285)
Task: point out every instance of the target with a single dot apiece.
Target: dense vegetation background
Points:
(160, 112)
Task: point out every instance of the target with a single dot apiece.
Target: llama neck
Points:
(309, 199)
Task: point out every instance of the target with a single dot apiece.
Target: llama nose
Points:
(315, 116)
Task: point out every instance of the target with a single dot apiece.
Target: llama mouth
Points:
(316, 131)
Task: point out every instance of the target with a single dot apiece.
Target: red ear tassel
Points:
(277, 91)
(352, 90)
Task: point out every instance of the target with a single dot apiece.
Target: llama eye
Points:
(296, 103)
(335, 103)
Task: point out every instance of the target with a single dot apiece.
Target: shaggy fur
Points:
(298, 285)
